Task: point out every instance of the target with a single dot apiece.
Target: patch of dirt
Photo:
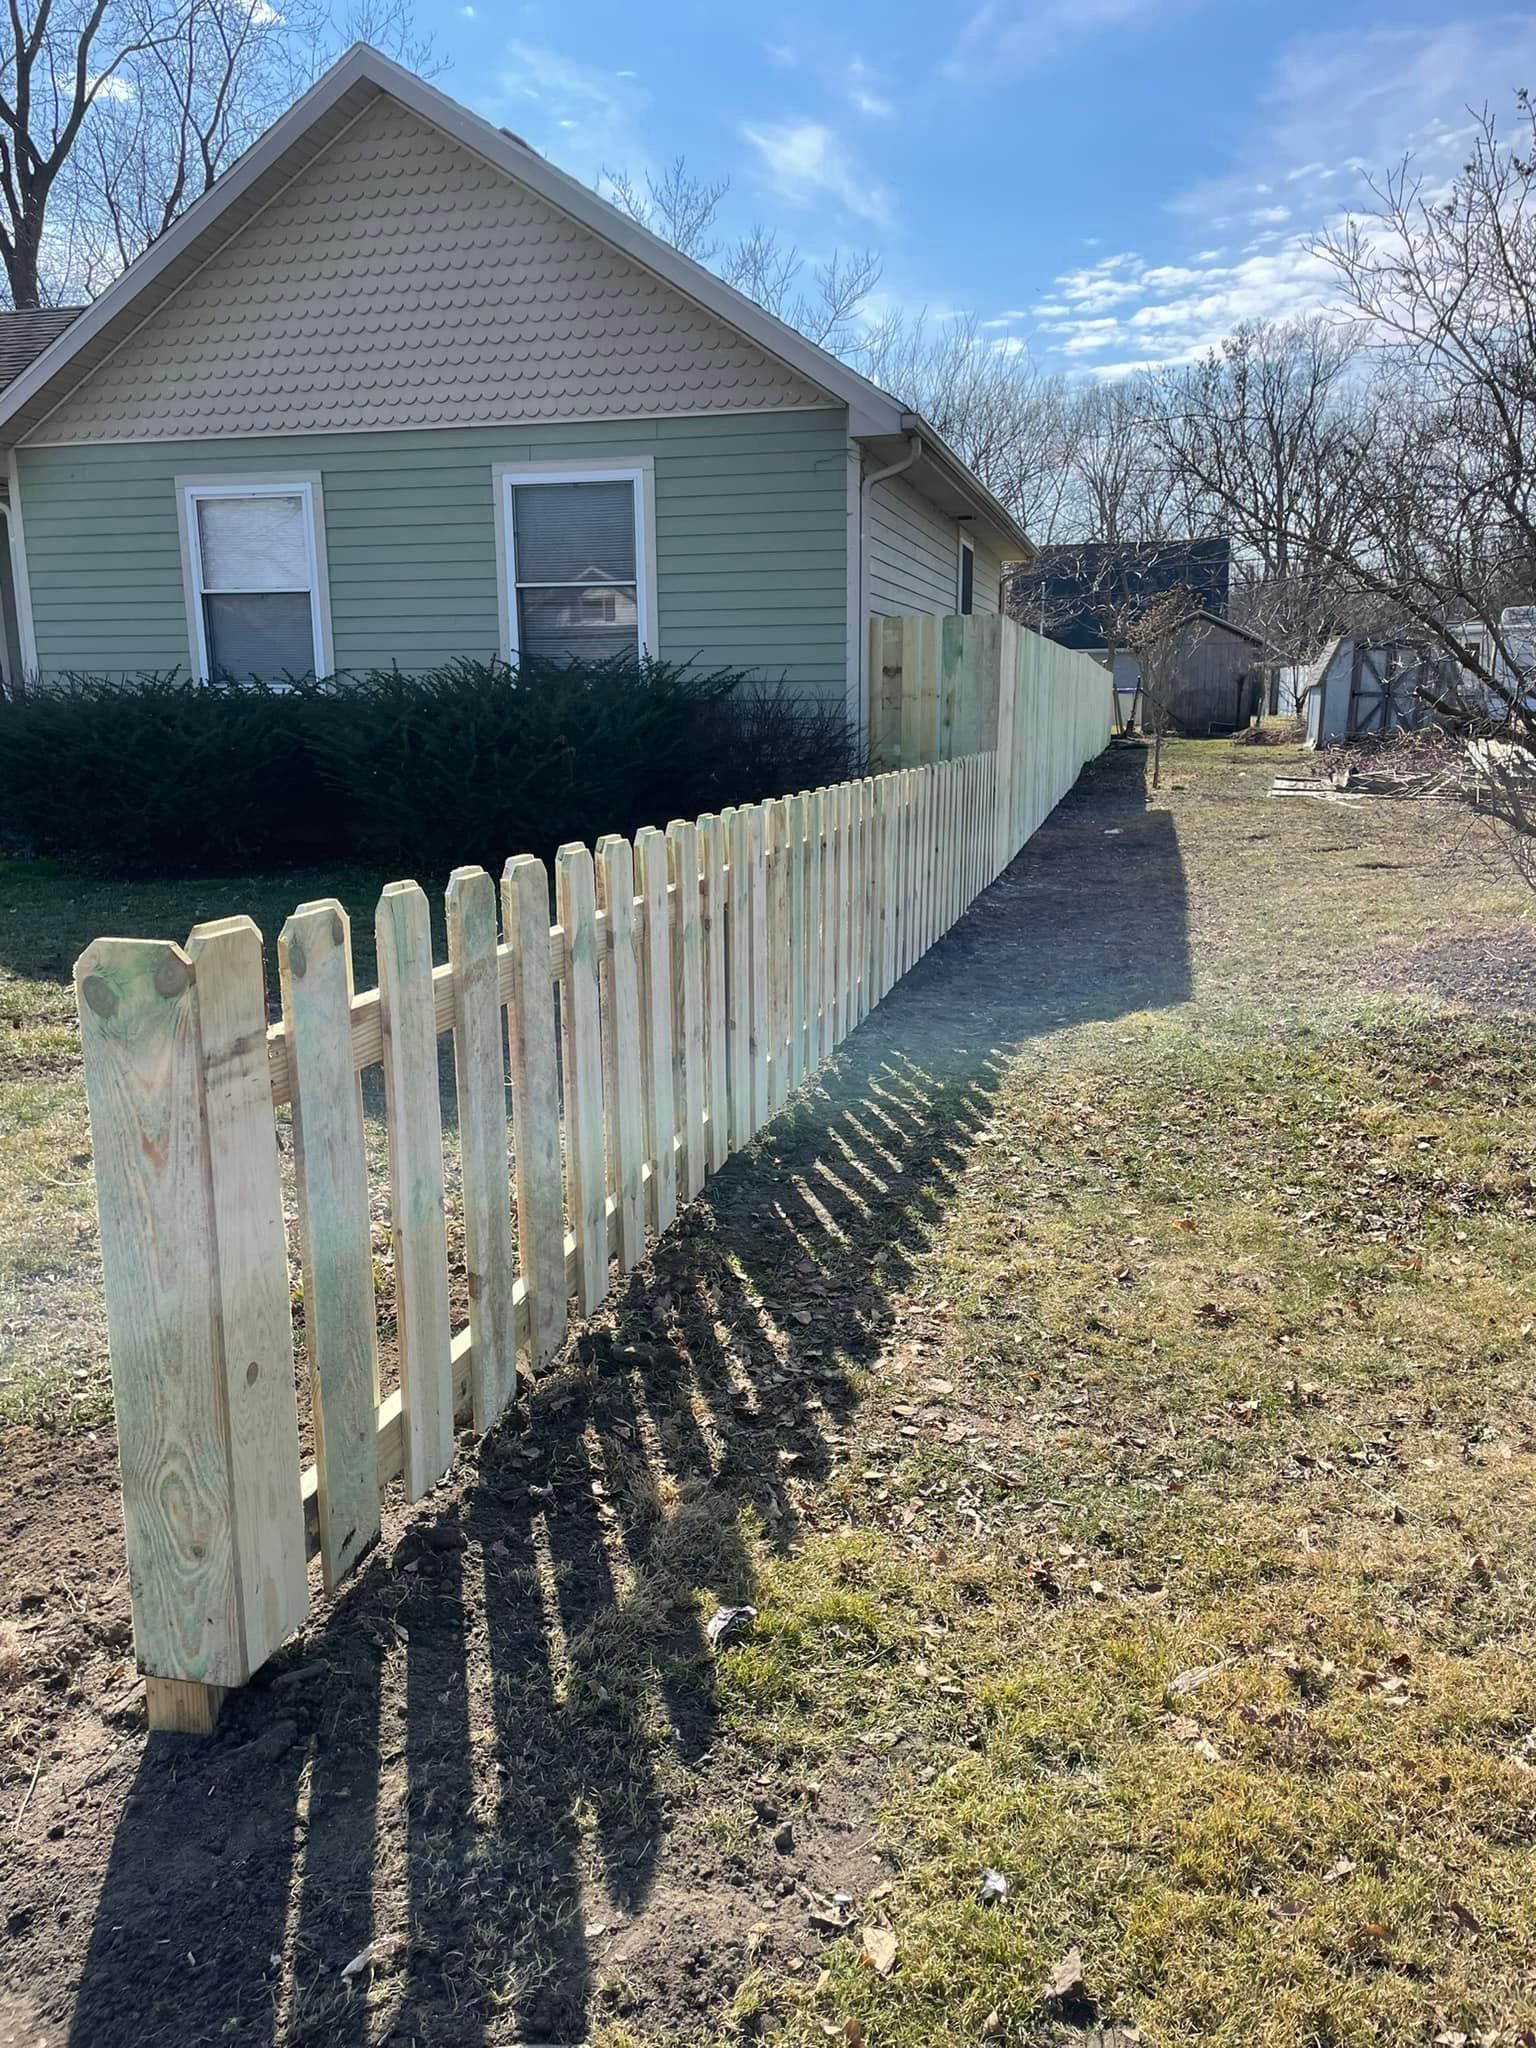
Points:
(1491, 970)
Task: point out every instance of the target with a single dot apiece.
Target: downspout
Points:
(914, 450)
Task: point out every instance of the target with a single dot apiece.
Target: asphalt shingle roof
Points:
(24, 336)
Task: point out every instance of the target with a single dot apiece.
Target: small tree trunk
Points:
(1157, 751)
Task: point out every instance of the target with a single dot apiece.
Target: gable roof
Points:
(309, 126)
(24, 335)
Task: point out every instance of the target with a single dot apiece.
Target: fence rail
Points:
(604, 1065)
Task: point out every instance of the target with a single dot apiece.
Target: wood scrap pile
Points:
(1421, 768)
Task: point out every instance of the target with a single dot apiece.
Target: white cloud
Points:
(1010, 36)
(805, 161)
(862, 95)
(468, 13)
(1336, 105)
(584, 116)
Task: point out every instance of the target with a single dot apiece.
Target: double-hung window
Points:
(254, 582)
(577, 563)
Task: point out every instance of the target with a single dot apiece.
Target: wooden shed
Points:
(1220, 678)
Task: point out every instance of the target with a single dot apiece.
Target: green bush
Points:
(472, 761)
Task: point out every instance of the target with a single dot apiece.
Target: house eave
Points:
(294, 140)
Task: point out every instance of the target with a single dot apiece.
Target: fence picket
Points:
(691, 1076)
(759, 1030)
(481, 1094)
(778, 952)
(314, 953)
(660, 1102)
(253, 1302)
(582, 1072)
(739, 997)
(815, 944)
(624, 1114)
(403, 935)
(831, 862)
(534, 1069)
(712, 856)
(795, 888)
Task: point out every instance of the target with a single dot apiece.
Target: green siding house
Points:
(398, 390)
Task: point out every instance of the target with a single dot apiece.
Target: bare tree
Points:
(678, 206)
(116, 114)
(822, 300)
(1265, 435)
(1162, 633)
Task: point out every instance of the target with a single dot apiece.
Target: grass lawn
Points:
(1114, 1391)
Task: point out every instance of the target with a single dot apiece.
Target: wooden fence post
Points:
(194, 1259)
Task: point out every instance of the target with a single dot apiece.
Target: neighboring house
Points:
(23, 337)
(1074, 591)
(398, 390)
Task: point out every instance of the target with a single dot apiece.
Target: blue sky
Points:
(1103, 182)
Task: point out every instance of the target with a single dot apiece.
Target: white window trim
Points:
(964, 546)
(302, 484)
(639, 471)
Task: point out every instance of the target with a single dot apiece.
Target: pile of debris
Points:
(1424, 767)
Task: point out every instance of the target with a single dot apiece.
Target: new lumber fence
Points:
(605, 1065)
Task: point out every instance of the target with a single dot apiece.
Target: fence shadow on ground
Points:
(474, 1757)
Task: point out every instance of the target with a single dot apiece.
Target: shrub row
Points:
(160, 775)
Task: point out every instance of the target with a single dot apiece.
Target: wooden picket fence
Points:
(604, 1066)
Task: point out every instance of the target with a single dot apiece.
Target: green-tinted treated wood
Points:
(815, 953)
(778, 952)
(797, 808)
(831, 838)
(535, 1076)
(623, 1085)
(738, 948)
(843, 876)
(690, 1065)
(481, 1092)
(656, 1025)
(403, 934)
(582, 1071)
(760, 1027)
(139, 1039)
(253, 1301)
(712, 858)
(314, 955)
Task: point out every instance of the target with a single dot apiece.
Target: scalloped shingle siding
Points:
(404, 281)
